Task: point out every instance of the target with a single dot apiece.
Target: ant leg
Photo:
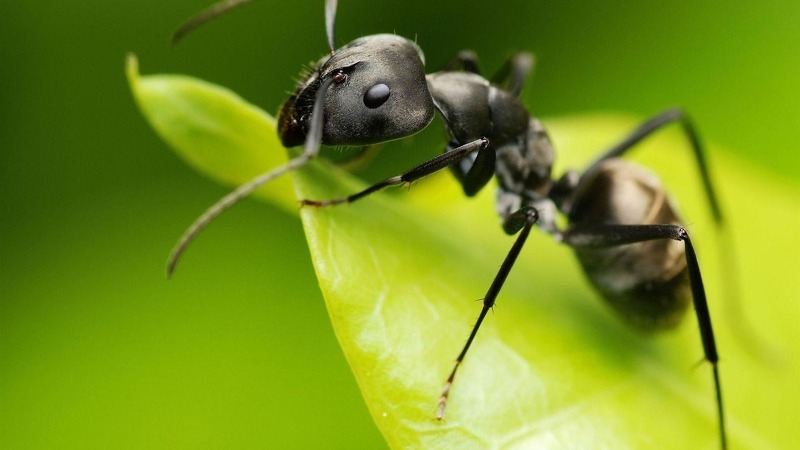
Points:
(748, 335)
(648, 128)
(465, 60)
(514, 71)
(614, 235)
(422, 170)
(475, 170)
(520, 221)
(511, 75)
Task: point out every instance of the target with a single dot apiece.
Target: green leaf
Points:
(551, 367)
(214, 130)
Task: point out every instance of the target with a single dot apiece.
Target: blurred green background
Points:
(98, 350)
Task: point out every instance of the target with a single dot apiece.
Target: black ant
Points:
(621, 220)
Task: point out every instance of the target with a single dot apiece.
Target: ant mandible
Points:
(621, 221)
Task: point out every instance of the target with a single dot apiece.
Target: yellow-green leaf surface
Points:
(552, 367)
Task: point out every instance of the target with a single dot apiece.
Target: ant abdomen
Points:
(645, 282)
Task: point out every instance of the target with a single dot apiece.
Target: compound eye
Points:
(339, 77)
(376, 95)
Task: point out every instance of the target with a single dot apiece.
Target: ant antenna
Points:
(330, 18)
(310, 150)
(220, 8)
(212, 12)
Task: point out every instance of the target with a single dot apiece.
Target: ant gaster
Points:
(621, 222)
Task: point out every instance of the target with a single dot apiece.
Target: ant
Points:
(620, 220)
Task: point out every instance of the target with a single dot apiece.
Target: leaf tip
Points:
(132, 70)
(131, 66)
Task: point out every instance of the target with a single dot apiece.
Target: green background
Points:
(98, 350)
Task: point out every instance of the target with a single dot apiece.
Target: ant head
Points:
(377, 92)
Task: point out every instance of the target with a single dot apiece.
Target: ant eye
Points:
(339, 77)
(376, 95)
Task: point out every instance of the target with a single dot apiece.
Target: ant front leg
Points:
(605, 236)
(520, 221)
(422, 170)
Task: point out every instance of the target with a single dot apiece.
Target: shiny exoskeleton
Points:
(621, 223)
